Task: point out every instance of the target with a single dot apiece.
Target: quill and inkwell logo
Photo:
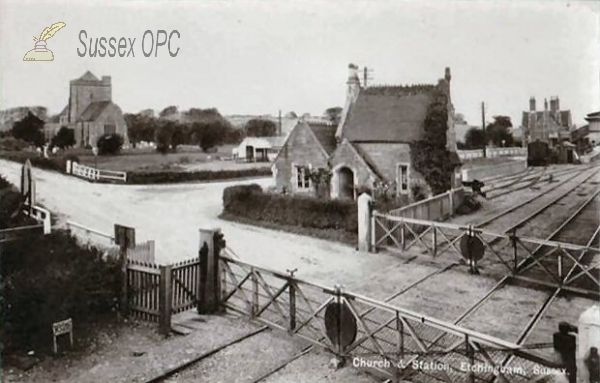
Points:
(40, 52)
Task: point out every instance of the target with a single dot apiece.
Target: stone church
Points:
(370, 145)
(90, 112)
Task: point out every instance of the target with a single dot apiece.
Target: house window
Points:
(110, 129)
(403, 178)
(302, 177)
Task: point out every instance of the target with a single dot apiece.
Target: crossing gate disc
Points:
(471, 247)
(340, 324)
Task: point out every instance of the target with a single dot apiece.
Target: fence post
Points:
(254, 307)
(471, 355)
(165, 299)
(400, 345)
(209, 289)
(451, 196)
(292, 292)
(434, 239)
(364, 222)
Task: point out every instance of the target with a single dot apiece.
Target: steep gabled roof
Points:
(94, 110)
(325, 134)
(388, 114)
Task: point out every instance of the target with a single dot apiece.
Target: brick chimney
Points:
(532, 104)
(353, 81)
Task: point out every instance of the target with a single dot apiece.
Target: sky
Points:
(259, 57)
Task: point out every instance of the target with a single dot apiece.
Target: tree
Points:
(211, 137)
(169, 110)
(163, 136)
(498, 132)
(333, 114)
(258, 127)
(140, 127)
(474, 138)
(30, 129)
(109, 144)
(64, 138)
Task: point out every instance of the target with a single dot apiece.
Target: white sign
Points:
(61, 328)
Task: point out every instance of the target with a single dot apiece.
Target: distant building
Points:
(258, 149)
(593, 120)
(90, 112)
(549, 125)
(370, 145)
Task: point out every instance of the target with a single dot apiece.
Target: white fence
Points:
(94, 174)
(492, 153)
(41, 215)
(436, 208)
(91, 236)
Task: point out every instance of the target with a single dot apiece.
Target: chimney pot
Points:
(532, 104)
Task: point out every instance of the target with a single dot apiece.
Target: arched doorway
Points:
(346, 183)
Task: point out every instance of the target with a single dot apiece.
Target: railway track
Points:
(528, 181)
(585, 177)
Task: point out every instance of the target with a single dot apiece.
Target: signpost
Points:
(95, 151)
(62, 328)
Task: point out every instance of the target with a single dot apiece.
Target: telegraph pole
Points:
(366, 76)
(483, 128)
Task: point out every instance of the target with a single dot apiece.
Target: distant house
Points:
(549, 125)
(90, 112)
(593, 120)
(258, 149)
(370, 145)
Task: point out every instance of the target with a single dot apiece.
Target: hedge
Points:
(53, 163)
(164, 177)
(249, 202)
(48, 279)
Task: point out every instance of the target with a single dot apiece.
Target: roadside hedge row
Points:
(53, 163)
(166, 177)
(250, 202)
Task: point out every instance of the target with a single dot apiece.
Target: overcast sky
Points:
(256, 57)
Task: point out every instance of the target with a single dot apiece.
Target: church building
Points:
(90, 112)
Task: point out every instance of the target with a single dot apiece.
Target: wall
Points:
(83, 93)
(300, 149)
(436, 208)
(483, 172)
(346, 156)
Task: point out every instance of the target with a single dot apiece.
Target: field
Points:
(187, 158)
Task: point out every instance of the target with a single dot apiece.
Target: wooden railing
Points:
(436, 208)
(94, 174)
(41, 215)
(386, 333)
(531, 260)
(491, 153)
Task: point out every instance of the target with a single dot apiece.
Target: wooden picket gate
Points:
(155, 292)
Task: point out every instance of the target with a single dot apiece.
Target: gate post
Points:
(364, 222)
(165, 300)
(209, 289)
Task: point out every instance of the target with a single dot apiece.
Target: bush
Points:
(11, 143)
(249, 202)
(49, 279)
(164, 177)
(109, 144)
(469, 205)
(64, 138)
(52, 163)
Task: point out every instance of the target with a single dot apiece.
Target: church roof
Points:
(88, 76)
(94, 110)
(388, 114)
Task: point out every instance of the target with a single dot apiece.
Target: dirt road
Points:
(172, 214)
